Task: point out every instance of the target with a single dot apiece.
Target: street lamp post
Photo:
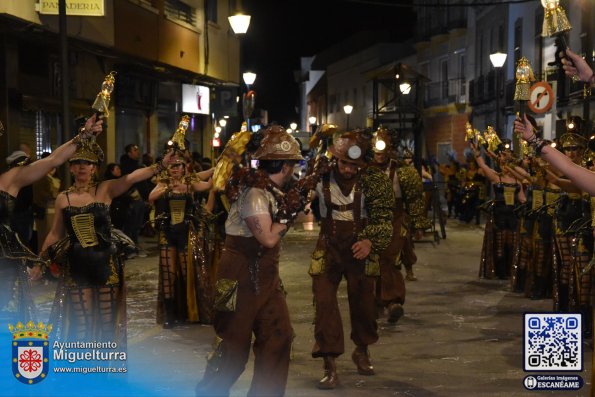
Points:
(347, 109)
(312, 120)
(498, 60)
(239, 24)
(248, 101)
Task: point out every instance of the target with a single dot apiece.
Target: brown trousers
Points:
(391, 285)
(339, 262)
(264, 314)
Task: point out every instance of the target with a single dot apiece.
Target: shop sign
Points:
(195, 99)
(87, 8)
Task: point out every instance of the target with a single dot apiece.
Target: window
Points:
(177, 10)
(332, 103)
(462, 83)
(211, 10)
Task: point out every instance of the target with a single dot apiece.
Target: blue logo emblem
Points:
(30, 352)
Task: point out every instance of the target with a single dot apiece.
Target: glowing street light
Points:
(498, 59)
(222, 122)
(293, 126)
(249, 78)
(239, 23)
(405, 88)
(347, 109)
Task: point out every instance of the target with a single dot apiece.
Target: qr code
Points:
(553, 342)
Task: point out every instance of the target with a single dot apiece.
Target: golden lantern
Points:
(554, 18)
(491, 138)
(101, 104)
(524, 77)
(177, 141)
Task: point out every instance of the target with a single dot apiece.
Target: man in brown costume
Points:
(406, 184)
(356, 210)
(249, 298)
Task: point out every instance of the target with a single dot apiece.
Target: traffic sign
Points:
(541, 97)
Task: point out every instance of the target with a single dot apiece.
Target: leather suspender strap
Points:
(357, 206)
(326, 191)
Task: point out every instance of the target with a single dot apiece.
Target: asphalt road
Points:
(460, 336)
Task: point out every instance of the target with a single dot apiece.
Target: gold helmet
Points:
(277, 144)
(381, 140)
(572, 140)
(350, 146)
(89, 151)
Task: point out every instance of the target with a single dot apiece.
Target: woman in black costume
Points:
(90, 302)
(185, 292)
(502, 225)
(15, 300)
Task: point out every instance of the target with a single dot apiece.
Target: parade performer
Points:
(90, 302)
(249, 297)
(501, 231)
(473, 192)
(408, 213)
(185, 290)
(573, 235)
(15, 257)
(356, 207)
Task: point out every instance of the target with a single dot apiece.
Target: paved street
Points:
(460, 336)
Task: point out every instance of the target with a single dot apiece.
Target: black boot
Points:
(587, 312)
(538, 288)
(520, 280)
(169, 313)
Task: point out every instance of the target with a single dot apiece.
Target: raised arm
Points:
(582, 178)
(488, 172)
(14, 179)
(116, 187)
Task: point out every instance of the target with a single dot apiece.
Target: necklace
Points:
(81, 189)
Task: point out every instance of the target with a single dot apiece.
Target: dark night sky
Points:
(282, 31)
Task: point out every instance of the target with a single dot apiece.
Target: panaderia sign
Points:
(89, 8)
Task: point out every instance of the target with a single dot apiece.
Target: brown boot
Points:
(410, 276)
(395, 312)
(361, 358)
(330, 379)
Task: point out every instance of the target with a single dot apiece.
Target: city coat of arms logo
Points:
(30, 351)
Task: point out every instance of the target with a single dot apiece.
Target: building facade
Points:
(156, 47)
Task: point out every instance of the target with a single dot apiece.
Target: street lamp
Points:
(312, 120)
(239, 23)
(498, 60)
(293, 126)
(249, 78)
(347, 109)
(405, 88)
(223, 122)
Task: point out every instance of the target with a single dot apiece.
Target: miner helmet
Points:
(381, 140)
(277, 144)
(350, 146)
